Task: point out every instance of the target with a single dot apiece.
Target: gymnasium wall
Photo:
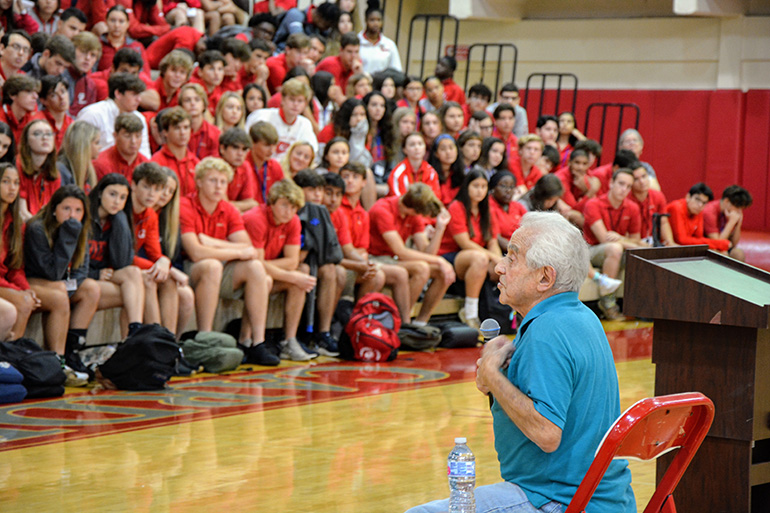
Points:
(702, 84)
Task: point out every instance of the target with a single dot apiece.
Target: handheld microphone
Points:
(489, 328)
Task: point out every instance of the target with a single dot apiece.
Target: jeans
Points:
(293, 21)
(502, 497)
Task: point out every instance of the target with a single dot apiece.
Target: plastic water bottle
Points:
(461, 468)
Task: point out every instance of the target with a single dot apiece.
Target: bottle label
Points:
(461, 468)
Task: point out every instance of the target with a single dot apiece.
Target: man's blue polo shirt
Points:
(564, 364)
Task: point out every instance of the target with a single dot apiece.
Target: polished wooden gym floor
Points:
(329, 436)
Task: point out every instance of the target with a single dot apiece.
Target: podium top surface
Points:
(716, 274)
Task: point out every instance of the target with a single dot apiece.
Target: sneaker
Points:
(291, 350)
(473, 322)
(607, 285)
(74, 378)
(309, 350)
(326, 344)
(260, 354)
(73, 361)
(611, 313)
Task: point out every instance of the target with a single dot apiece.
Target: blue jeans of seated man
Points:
(293, 21)
(502, 497)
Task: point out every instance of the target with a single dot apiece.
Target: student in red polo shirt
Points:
(579, 187)
(236, 53)
(160, 290)
(204, 141)
(123, 156)
(470, 242)
(612, 225)
(343, 66)
(55, 97)
(527, 173)
(255, 71)
(687, 219)
(20, 94)
(360, 269)
(222, 260)
(723, 219)
(234, 147)
(413, 168)
(210, 73)
(175, 70)
(505, 210)
(264, 169)
(38, 175)
(649, 202)
(505, 118)
(174, 126)
(445, 70)
(297, 47)
(397, 218)
(275, 231)
(353, 174)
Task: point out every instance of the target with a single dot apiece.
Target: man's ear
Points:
(547, 278)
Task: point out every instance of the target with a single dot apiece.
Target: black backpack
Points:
(42, 370)
(144, 361)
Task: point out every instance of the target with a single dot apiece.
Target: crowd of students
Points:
(281, 153)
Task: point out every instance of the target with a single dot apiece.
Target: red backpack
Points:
(373, 328)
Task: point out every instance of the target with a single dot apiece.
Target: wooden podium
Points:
(711, 335)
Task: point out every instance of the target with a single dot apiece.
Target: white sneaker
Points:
(607, 285)
(74, 378)
(291, 350)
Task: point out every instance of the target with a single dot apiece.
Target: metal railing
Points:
(498, 64)
(605, 129)
(560, 78)
(443, 20)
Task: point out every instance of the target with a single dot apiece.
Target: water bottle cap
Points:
(460, 440)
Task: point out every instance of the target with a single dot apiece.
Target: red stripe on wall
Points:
(718, 137)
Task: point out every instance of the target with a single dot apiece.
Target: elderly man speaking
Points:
(554, 388)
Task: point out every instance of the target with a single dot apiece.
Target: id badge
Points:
(71, 284)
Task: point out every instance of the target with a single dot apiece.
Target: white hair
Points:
(555, 242)
(627, 132)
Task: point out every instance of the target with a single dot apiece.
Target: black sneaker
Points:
(73, 361)
(326, 344)
(261, 355)
(309, 350)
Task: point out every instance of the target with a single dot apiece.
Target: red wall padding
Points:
(718, 137)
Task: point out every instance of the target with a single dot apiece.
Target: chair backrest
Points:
(645, 431)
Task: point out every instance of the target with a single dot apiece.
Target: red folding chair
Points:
(647, 430)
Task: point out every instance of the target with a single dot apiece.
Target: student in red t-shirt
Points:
(723, 219)
(38, 174)
(568, 135)
(222, 260)
(175, 70)
(505, 119)
(650, 202)
(527, 173)
(297, 48)
(353, 174)
(210, 74)
(445, 70)
(264, 169)
(413, 168)
(547, 127)
(161, 303)
(204, 140)
(412, 94)
(452, 118)
(612, 225)
(470, 241)
(359, 268)
(687, 219)
(347, 62)
(54, 96)
(505, 210)
(236, 53)
(174, 126)
(20, 94)
(124, 156)
(444, 157)
(493, 157)
(234, 148)
(579, 187)
(397, 218)
(276, 231)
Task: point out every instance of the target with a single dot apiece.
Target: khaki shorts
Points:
(597, 254)
(387, 260)
(226, 285)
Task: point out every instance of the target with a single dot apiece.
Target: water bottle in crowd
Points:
(462, 478)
